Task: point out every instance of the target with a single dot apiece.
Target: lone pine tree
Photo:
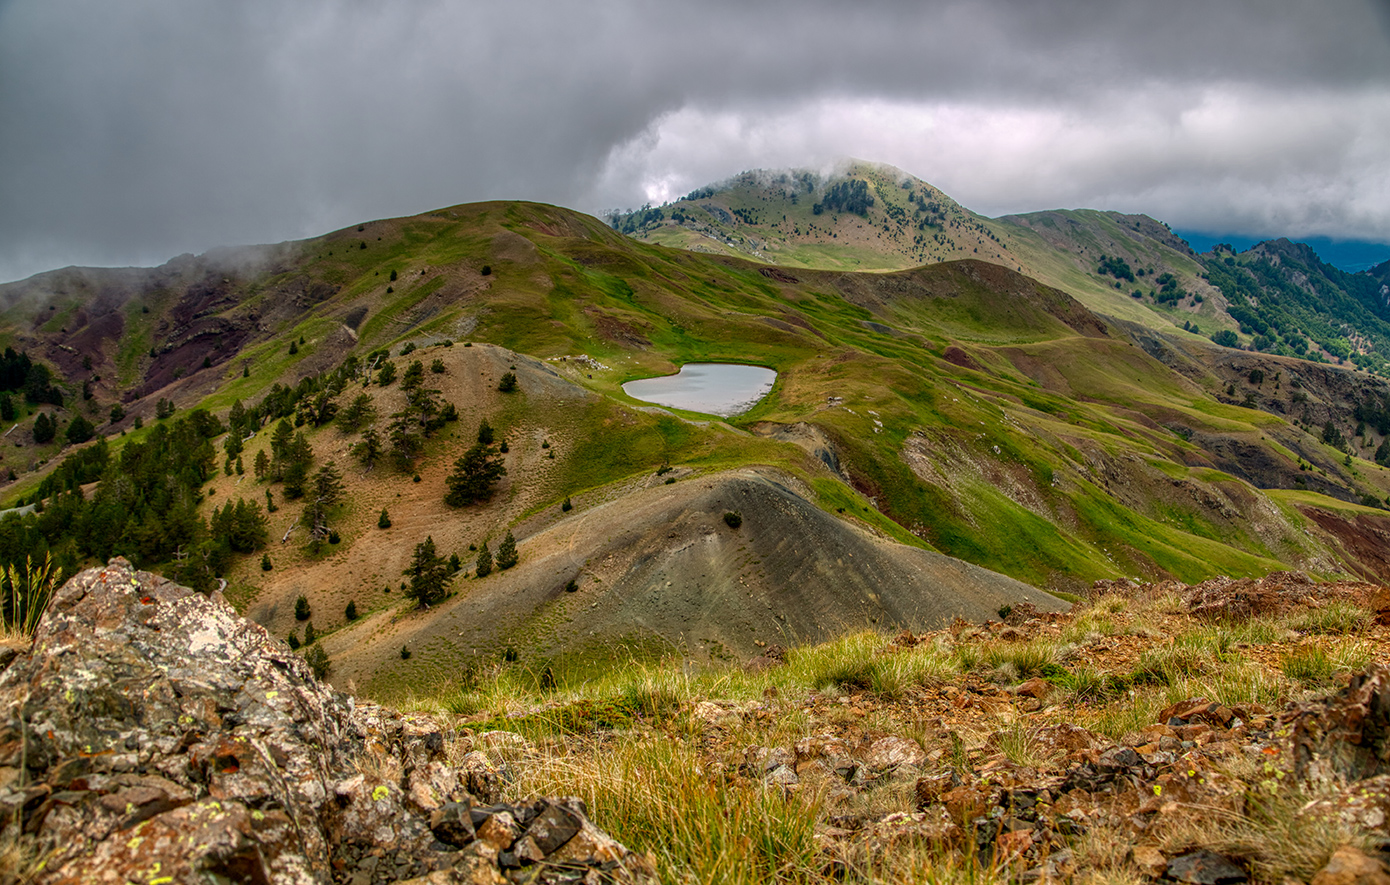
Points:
(475, 473)
(428, 573)
(506, 552)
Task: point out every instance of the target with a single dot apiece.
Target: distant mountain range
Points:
(1275, 296)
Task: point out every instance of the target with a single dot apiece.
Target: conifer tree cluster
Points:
(145, 507)
(424, 414)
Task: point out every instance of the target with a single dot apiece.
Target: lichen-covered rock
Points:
(152, 734)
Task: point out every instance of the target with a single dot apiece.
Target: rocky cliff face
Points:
(152, 735)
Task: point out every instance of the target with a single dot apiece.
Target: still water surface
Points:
(723, 389)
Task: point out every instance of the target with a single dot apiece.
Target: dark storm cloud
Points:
(136, 130)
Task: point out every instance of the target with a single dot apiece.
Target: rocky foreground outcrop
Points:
(152, 735)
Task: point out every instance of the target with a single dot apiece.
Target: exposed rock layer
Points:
(153, 735)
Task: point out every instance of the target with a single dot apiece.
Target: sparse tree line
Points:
(430, 572)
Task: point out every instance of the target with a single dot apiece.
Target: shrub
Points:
(508, 383)
(351, 611)
(487, 270)
(265, 562)
(567, 506)
(437, 367)
(293, 641)
(383, 521)
(1307, 664)
(733, 519)
(310, 634)
(1336, 618)
(483, 567)
(405, 652)
(301, 608)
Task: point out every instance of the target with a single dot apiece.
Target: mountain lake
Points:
(723, 389)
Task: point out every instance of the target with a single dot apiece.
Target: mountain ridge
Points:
(959, 407)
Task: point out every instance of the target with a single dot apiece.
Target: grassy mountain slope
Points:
(1276, 297)
(961, 408)
(899, 221)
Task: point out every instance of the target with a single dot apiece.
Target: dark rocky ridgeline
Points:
(153, 735)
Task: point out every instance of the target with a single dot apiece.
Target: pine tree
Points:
(351, 611)
(359, 412)
(483, 567)
(368, 451)
(44, 429)
(485, 433)
(301, 609)
(261, 466)
(384, 521)
(475, 473)
(428, 574)
(318, 661)
(79, 430)
(506, 552)
(299, 458)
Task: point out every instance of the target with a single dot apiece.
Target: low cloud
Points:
(140, 130)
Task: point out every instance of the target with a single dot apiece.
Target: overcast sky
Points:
(132, 131)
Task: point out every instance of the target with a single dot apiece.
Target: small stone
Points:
(892, 751)
(1348, 866)
(1149, 860)
(782, 775)
(1119, 759)
(930, 789)
(452, 824)
(500, 830)
(553, 827)
(1014, 844)
(1036, 687)
(1205, 867)
(527, 851)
